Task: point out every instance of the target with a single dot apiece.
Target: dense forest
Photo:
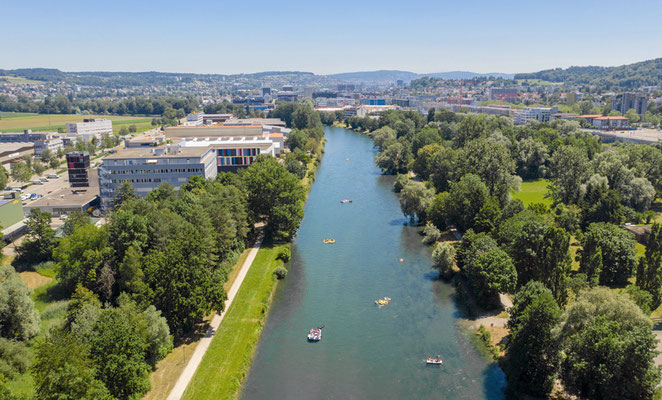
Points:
(582, 322)
(631, 76)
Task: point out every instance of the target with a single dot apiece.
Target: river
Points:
(366, 352)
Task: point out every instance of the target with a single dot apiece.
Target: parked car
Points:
(52, 176)
(33, 195)
(38, 182)
(43, 179)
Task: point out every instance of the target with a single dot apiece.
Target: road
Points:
(178, 390)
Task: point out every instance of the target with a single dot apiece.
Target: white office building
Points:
(53, 145)
(91, 127)
(146, 168)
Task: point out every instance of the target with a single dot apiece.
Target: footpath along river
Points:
(366, 352)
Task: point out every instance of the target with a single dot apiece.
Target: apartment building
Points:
(212, 131)
(506, 94)
(91, 127)
(626, 101)
(52, 144)
(540, 114)
(147, 168)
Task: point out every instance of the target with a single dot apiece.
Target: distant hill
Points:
(376, 76)
(630, 76)
(394, 75)
(467, 75)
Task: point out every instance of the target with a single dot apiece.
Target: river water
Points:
(366, 352)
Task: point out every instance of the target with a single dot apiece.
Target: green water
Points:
(366, 352)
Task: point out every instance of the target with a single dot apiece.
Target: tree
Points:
(275, 196)
(466, 198)
(414, 199)
(422, 166)
(4, 178)
(75, 220)
(539, 251)
(40, 240)
(20, 172)
(296, 140)
(83, 312)
(443, 258)
(490, 274)
(124, 193)
(436, 212)
(394, 159)
(569, 169)
(18, 318)
(604, 361)
(38, 167)
(649, 274)
(600, 204)
(81, 256)
(182, 280)
(295, 167)
(443, 169)
(616, 248)
(14, 360)
(401, 180)
(492, 162)
(118, 350)
(472, 246)
(532, 355)
(63, 370)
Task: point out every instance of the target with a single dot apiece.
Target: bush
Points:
(280, 272)
(284, 255)
(443, 257)
(432, 234)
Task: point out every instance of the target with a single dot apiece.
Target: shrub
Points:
(443, 257)
(432, 234)
(285, 254)
(280, 272)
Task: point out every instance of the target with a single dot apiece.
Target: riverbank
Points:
(228, 358)
(230, 353)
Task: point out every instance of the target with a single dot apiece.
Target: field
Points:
(533, 192)
(229, 356)
(17, 79)
(17, 122)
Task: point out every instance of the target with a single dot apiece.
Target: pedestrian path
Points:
(178, 390)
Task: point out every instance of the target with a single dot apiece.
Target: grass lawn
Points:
(51, 122)
(169, 369)
(533, 192)
(229, 356)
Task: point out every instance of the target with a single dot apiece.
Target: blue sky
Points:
(209, 36)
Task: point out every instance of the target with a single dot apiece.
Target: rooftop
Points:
(155, 152)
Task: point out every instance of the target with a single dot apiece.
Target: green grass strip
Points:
(228, 359)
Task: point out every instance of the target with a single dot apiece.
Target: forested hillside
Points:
(645, 73)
